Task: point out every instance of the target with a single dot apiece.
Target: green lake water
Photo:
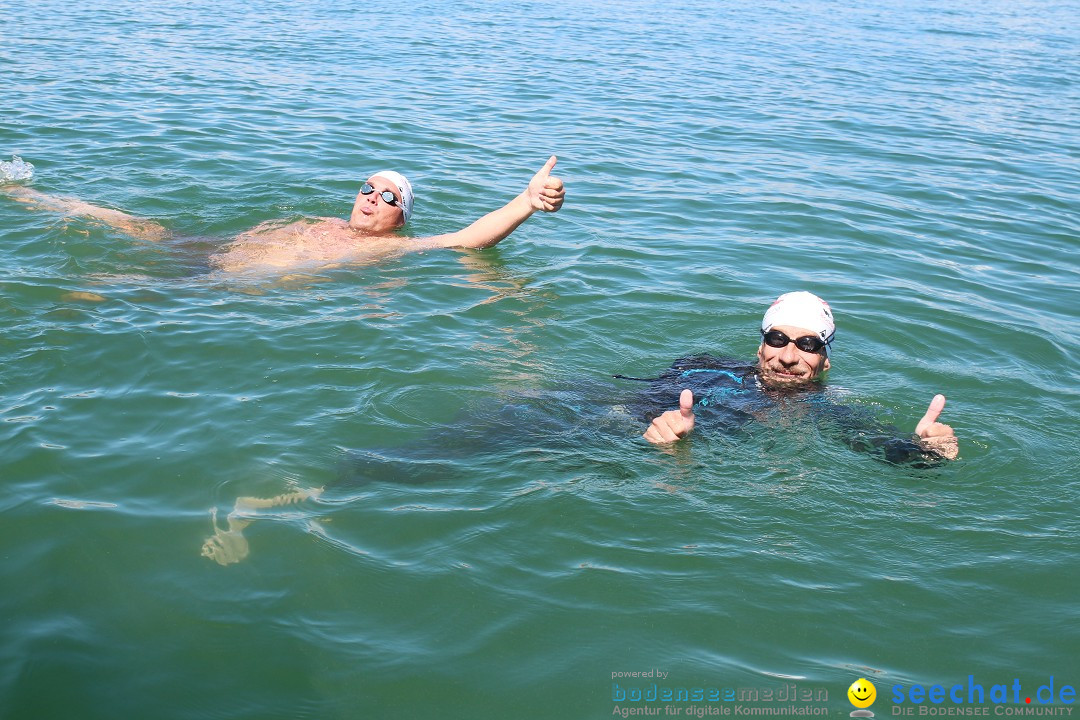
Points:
(495, 540)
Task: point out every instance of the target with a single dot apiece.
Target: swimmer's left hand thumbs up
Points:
(674, 424)
(546, 192)
(936, 436)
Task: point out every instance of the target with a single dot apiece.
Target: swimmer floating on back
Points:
(383, 205)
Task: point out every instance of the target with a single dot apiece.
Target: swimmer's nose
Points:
(789, 356)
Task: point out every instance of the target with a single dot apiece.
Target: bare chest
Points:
(298, 245)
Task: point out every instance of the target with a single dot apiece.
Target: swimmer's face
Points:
(786, 366)
(372, 214)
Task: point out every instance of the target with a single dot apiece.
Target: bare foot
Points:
(226, 546)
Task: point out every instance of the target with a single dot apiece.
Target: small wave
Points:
(17, 169)
(80, 504)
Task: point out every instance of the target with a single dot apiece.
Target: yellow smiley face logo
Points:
(862, 693)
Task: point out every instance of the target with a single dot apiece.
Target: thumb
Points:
(546, 170)
(686, 403)
(931, 416)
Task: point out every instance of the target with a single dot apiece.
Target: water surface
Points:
(914, 164)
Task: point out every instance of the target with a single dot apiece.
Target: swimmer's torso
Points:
(304, 243)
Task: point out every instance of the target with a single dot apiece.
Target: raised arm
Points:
(544, 192)
(133, 226)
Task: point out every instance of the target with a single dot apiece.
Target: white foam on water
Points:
(17, 169)
(80, 504)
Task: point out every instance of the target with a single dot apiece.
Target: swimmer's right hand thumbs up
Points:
(936, 436)
(674, 424)
(546, 192)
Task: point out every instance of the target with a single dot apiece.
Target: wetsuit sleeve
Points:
(888, 443)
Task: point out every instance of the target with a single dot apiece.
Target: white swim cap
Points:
(804, 310)
(403, 186)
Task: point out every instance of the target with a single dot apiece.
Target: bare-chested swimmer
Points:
(383, 205)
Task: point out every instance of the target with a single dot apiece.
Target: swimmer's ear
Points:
(825, 367)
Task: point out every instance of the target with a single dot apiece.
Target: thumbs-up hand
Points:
(546, 192)
(674, 424)
(935, 436)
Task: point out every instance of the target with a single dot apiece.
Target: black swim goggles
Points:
(806, 343)
(388, 197)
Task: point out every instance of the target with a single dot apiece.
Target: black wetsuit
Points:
(728, 395)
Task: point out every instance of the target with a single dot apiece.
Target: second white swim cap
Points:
(801, 309)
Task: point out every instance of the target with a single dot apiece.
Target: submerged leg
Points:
(254, 503)
(230, 546)
(137, 228)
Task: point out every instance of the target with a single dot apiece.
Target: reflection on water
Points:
(493, 273)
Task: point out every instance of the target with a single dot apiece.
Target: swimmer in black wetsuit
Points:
(794, 353)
